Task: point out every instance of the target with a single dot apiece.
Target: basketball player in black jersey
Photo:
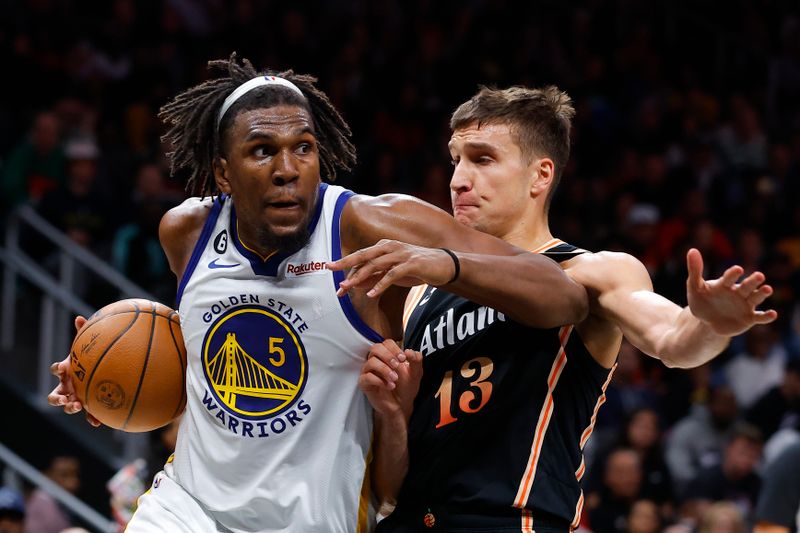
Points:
(504, 410)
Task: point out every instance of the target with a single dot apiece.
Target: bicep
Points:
(626, 298)
(367, 220)
(178, 232)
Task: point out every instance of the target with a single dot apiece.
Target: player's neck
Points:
(529, 234)
(251, 243)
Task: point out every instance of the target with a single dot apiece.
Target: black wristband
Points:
(456, 263)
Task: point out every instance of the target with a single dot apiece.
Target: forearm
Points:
(390, 456)
(530, 288)
(690, 342)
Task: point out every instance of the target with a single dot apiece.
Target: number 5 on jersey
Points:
(482, 366)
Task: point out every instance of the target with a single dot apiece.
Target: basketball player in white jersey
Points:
(509, 148)
(276, 435)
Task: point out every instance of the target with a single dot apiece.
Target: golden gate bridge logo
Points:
(254, 362)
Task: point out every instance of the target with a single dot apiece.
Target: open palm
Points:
(725, 305)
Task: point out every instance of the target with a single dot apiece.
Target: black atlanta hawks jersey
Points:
(501, 418)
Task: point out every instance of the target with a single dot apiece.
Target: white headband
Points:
(249, 86)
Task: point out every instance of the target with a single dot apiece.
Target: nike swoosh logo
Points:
(214, 264)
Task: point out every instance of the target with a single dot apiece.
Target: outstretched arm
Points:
(621, 292)
(530, 288)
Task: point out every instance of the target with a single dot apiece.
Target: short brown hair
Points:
(540, 121)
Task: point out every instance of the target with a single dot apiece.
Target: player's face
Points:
(271, 169)
(491, 184)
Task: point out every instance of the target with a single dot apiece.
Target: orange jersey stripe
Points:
(600, 401)
(578, 510)
(413, 298)
(527, 522)
(544, 421)
(547, 245)
(581, 469)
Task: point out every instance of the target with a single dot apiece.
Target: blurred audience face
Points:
(65, 471)
(644, 518)
(723, 407)
(12, 524)
(623, 475)
(643, 430)
(45, 134)
(759, 340)
(741, 457)
(150, 182)
(722, 517)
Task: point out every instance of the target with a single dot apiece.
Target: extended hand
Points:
(390, 378)
(64, 393)
(394, 263)
(728, 307)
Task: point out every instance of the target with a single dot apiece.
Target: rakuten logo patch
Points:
(305, 268)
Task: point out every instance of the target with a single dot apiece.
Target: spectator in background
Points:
(36, 166)
(778, 509)
(641, 433)
(742, 142)
(760, 367)
(734, 480)
(77, 208)
(12, 512)
(696, 442)
(133, 479)
(780, 406)
(136, 249)
(629, 390)
(609, 507)
(44, 513)
(644, 518)
(722, 517)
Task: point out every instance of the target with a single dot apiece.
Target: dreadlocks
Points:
(198, 141)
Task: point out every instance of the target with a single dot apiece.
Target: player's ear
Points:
(543, 171)
(221, 175)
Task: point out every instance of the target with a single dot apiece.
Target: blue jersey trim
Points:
(270, 266)
(208, 227)
(338, 276)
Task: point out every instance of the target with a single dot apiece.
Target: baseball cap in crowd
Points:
(643, 214)
(81, 148)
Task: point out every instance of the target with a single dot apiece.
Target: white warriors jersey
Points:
(276, 434)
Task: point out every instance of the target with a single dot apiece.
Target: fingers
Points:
(381, 370)
(364, 273)
(694, 263)
(92, 420)
(765, 317)
(360, 256)
(730, 276)
(383, 362)
(750, 283)
(79, 322)
(757, 297)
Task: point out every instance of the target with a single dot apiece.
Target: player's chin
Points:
(465, 219)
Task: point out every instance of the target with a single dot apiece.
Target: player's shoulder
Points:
(186, 216)
(606, 269)
(180, 230)
(390, 201)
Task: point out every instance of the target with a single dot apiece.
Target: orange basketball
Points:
(128, 365)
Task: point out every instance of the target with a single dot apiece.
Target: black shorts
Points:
(407, 519)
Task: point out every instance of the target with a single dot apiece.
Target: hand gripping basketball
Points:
(64, 393)
(127, 367)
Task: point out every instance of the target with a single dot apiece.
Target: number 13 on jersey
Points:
(476, 371)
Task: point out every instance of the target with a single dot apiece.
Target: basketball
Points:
(128, 365)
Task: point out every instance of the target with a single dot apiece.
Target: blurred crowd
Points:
(687, 133)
